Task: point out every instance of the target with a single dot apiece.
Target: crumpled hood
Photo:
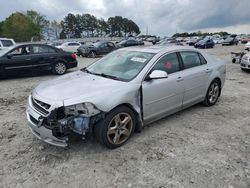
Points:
(78, 87)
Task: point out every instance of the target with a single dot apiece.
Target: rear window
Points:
(190, 59)
(7, 43)
(73, 44)
(43, 49)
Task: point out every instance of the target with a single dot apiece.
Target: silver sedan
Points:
(123, 92)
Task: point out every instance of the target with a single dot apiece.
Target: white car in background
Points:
(70, 46)
(6, 43)
(245, 62)
(247, 46)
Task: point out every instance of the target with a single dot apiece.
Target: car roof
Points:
(158, 49)
(28, 43)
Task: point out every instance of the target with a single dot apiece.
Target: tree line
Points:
(87, 25)
(32, 25)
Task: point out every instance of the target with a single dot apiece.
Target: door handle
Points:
(208, 70)
(179, 79)
(27, 59)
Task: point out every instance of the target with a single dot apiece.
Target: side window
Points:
(168, 63)
(39, 49)
(202, 59)
(22, 50)
(73, 44)
(190, 59)
(103, 45)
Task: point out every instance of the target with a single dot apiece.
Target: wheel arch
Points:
(138, 125)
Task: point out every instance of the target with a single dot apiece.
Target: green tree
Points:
(133, 28)
(71, 27)
(103, 28)
(19, 27)
(39, 20)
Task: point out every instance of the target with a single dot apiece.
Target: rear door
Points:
(194, 76)
(43, 56)
(163, 96)
(103, 49)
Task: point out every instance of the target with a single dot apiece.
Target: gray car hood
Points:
(79, 87)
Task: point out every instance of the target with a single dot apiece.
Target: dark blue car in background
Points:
(205, 43)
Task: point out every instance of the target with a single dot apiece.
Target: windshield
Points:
(121, 65)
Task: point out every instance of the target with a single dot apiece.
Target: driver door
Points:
(18, 61)
(163, 96)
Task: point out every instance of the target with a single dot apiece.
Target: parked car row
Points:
(97, 48)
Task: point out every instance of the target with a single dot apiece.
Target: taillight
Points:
(73, 56)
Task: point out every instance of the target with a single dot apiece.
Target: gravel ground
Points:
(198, 147)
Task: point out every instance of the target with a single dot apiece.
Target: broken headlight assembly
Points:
(78, 116)
(86, 109)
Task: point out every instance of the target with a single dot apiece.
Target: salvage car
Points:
(245, 62)
(30, 57)
(205, 43)
(231, 40)
(122, 92)
(130, 42)
(98, 48)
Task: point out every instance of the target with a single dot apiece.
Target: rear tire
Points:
(59, 68)
(213, 93)
(92, 54)
(116, 128)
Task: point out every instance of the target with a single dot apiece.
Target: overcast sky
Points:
(162, 17)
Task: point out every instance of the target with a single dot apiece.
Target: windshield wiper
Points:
(86, 70)
(100, 74)
(109, 76)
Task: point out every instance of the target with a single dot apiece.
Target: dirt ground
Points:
(198, 147)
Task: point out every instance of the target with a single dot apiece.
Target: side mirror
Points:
(9, 56)
(157, 74)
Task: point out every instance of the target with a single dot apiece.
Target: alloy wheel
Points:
(60, 68)
(213, 92)
(120, 128)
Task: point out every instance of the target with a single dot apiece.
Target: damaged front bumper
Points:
(51, 130)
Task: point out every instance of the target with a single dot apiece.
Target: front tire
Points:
(59, 68)
(213, 93)
(116, 128)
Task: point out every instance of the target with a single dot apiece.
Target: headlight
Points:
(246, 58)
(87, 108)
